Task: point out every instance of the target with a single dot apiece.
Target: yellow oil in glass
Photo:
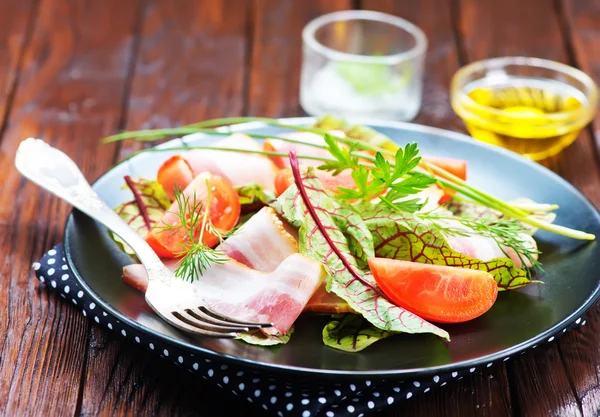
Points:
(534, 117)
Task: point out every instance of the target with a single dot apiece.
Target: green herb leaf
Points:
(404, 237)
(261, 339)
(334, 240)
(351, 333)
(254, 194)
(147, 207)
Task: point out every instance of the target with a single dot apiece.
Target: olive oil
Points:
(534, 117)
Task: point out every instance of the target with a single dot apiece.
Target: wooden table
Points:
(74, 71)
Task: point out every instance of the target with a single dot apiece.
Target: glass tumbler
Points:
(360, 63)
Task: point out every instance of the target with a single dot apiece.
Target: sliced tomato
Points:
(437, 293)
(285, 178)
(224, 215)
(173, 171)
(456, 167)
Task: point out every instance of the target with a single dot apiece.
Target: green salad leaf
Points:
(260, 339)
(254, 194)
(330, 232)
(404, 237)
(360, 133)
(351, 333)
(149, 204)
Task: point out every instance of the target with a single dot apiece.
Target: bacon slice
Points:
(235, 290)
(486, 249)
(239, 168)
(261, 243)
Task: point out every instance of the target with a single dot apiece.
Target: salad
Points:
(331, 219)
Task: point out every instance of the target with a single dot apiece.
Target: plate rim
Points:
(503, 355)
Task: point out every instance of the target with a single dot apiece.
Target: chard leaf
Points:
(260, 339)
(254, 194)
(147, 207)
(351, 333)
(401, 236)
(330, 232)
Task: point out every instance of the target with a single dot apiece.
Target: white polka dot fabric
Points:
(276, 395)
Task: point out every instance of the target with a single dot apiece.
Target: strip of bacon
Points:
(261, 243)
(235, 290)
(486, 249)
(239, 168)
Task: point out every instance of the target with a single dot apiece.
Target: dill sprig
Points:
(507, 233)
(194, 220)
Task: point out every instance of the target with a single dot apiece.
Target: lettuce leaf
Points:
(400, 236)
(260, 339)
(147, 207)
(341, 241)
(361, 133)
(254, 194)
(351, 333)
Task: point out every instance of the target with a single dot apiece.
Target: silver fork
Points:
(56, 172)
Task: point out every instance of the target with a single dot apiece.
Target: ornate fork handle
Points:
(56, 172)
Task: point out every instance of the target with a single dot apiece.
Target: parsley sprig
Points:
(381, 179)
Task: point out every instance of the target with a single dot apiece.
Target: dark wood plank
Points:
(441, 60)
(69, 93)
(190, 66)
(15, 33)
(276, 58)
(491, 396)
(534, 30)
(581, 350)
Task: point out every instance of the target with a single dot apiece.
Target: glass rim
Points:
(308, 37)
(587, 111)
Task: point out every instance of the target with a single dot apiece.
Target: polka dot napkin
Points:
(278, 396)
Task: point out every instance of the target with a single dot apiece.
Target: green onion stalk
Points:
(442, 176)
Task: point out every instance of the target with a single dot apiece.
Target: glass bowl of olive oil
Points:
(531, 106)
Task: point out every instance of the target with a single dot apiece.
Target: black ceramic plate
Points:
(519, 319)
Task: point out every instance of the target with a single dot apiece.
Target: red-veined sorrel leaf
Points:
(351, 333)
(147, 207)
(399, 236)
(321, 238)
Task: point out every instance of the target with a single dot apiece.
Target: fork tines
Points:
(203, 320)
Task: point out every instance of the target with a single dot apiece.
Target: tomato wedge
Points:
(438, 293)
(285, 178)
(453, 166)
(173, 171)
(224, 215)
